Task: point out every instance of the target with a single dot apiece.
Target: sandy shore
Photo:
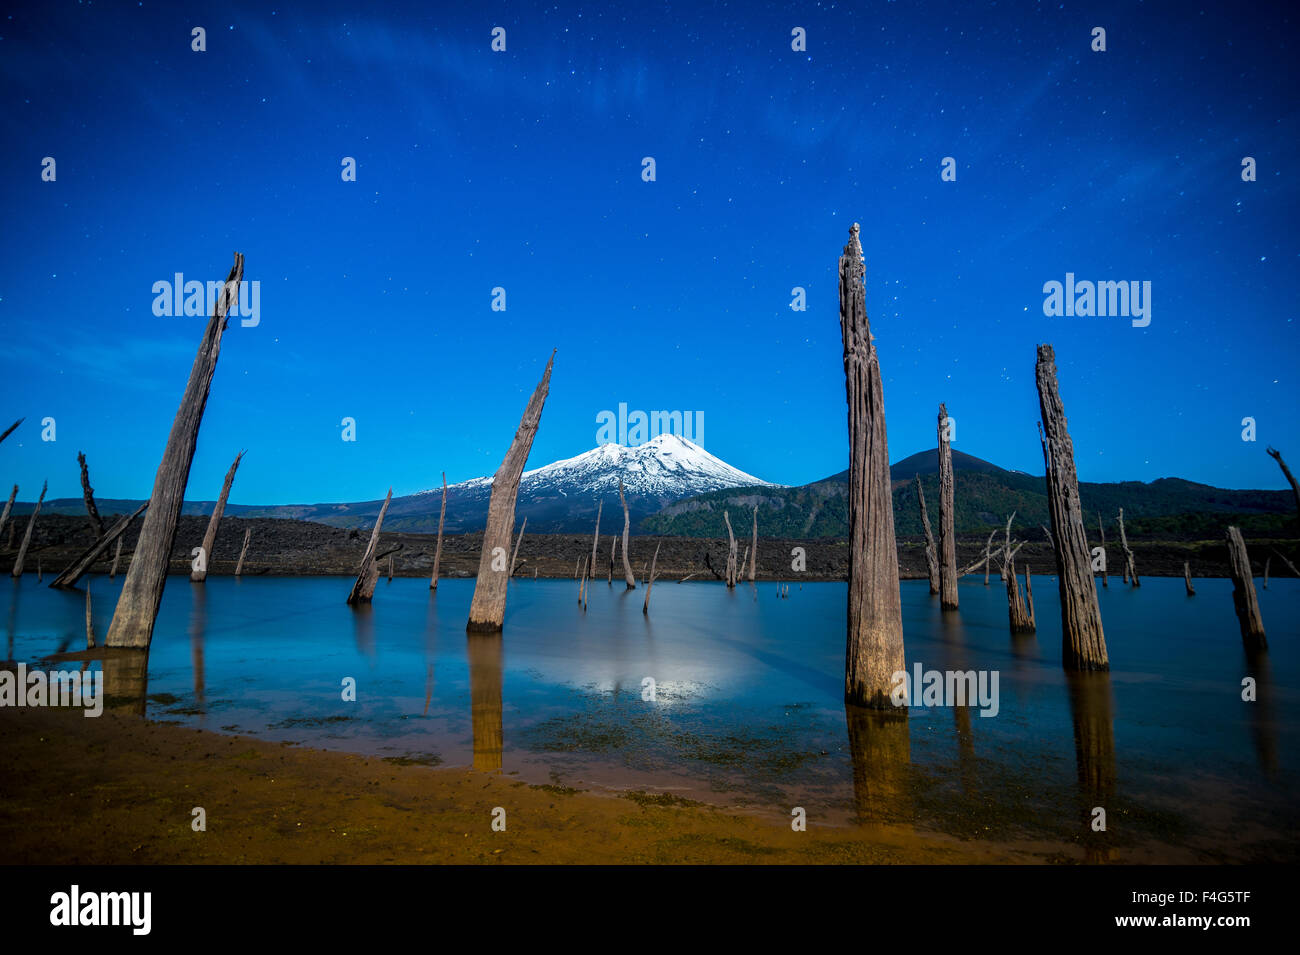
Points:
(118, 789)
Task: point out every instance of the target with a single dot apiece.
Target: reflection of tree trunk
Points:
(1094, 751)
(1083, 642)
(363, 590)
(1244, 599)
(874, 650)
(931, 554)
(137, 606)
(210, 536)
(881, 752)
(27, 534)
(442, 517)
(485, 676)
(126, 681)
(947, 536)
(487, 610)
(1263, 716)
(198, 626)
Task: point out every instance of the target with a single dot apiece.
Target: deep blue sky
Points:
(522, 169)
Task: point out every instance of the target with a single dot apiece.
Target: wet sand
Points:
(118, 789)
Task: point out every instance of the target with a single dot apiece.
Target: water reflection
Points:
(126, 680)
(1263, 716)
(198, 625)
(485, 676)
(880, 748)
(1094, 750)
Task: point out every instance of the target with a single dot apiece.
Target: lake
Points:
(747, 707)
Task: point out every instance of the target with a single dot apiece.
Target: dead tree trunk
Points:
(117, 555)
(243, 551)
(931, 554)
(1017, 615)
(10, 430)
(487, 609)
(1083, 641)
(86, 559)
(137, 606)
(731, 553)
(1267, 561)
(1276, 455)
(595, 537)
(582, 583)
(363, 591)
(90, 624)
(1102, 529)
(210, 536)
(1187, 579)
(1244, 598)
(1029, 599)
(613, 549)
(9, 506)
(627, 526)
(988, 557)
(645, 607)
(874, 644)
(1130, 566)
(390, 568)
(753, 550)
(442, 517)
(88, 492)
(514, 556)
(947, 538)
(27, 535)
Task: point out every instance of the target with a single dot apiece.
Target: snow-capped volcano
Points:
(561, 497)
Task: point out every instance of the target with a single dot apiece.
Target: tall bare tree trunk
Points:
(27, 534)
(1083, 641)
(117, 555)
(874, 644)
(86, 559)
(988, 558)
(1102, 529)
(487, 610)
(1029, 599)
(442, 517)
(1130, 565)
(753, 551)
(88, 493)
(1295, 488)
(1244, 599)
(931, 554)
(1187, 579)
(363, 590)
(243, 551)
(595, 537)
(137, 606)
(627, 525)
(731, 553)
(210, 536)
(9, 506)
(947, 536)
(514, 556)
(613, 549)
(645, 607)
(90, 623)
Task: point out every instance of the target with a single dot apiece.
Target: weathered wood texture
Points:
(442, 518)
(874, 640)
(210, 535)
(487, 609)
(27, 534)
(142, 590)
(1244, 598)
(947, 537)
(931, 553)
(627, 526)
(1029, 598)
(363, 589)
(1083, 641)
(86, 559)
(88, 494)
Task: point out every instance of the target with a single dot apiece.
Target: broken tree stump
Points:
(1130, 565)
(442, 517)
(874, 640)
(1187, 579)
(137, 605)
(1083, 641)
(947, 537)
(27, 535)
(487, 609)
(1244, 598)
(210, 535)
(627, 525)
(1017, 615)
(239, 567)
(9, 506)
(731, 553)
(650, 582)
(363, 590)
(86, 559)
(931, 554)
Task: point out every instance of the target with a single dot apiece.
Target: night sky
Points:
(523, 169)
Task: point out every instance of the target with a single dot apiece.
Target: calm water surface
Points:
(748, 709)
